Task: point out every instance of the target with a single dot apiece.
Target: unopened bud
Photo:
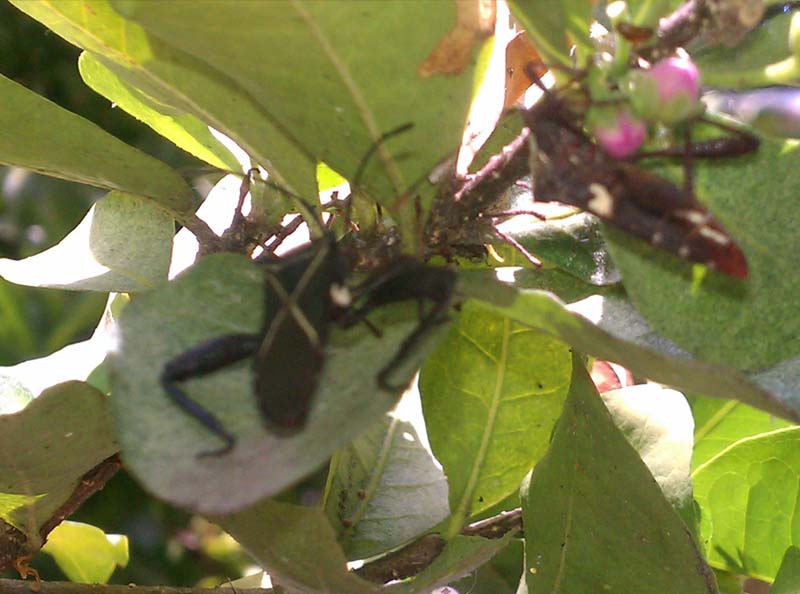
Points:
(669, 92)
(620, 135)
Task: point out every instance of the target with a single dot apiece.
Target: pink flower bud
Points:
(675, 77)
(669, 92)
(620, 136)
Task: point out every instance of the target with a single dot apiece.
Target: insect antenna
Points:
(362, 165)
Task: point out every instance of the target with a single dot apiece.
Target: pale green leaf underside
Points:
(384, 488)
(122, 245)
(222, 294)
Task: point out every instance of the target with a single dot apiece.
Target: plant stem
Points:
(25, 587)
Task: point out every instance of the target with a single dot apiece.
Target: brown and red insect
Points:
(568, 167)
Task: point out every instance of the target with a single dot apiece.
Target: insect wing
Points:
(670, 218)
(290, 359)
(568, 168)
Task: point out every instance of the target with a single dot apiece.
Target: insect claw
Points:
(230, 443)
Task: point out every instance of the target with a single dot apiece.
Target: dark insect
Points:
(405, 279)
(300, 292)
(305, 292)
(568, 167)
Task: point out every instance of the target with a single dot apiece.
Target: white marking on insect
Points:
(340, 295)
(693, 216)
(657, 238)
(714, 235)
(683, 251)
(602, 202)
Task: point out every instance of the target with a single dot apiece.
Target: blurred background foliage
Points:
(167, 546)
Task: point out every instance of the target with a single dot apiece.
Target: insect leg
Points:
(536, 262)
(201, 360)
(436, 316)
(739, 142)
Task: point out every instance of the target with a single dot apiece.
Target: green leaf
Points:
(222, 294)
(297, 547)
(175, 83)
(330, 95)
(788, 579)
(574, 244)
(384, 488)
(327, 178)
(552, 280)
(86, 554)
(747, 324)
(491, 394)
(185, 130)
(542, 310)
(460, 556)
(555, 26)
(501, 575)
(123, 244)
(40, 135)
(748, 64)
(748, 496)
(658, 424)
(595, 521)
(719, 424)
(545, 22)
(72, 429)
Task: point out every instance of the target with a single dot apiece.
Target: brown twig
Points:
(208, 240)
(455, 218)
(23, 587)
(712, 21)
(14, 544)
(413, 558)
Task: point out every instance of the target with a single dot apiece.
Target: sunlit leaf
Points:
(747, 496)
(43, 137)
(185, 130)
(542, 310)
(491, 394)
(720, 423)
(85, 553)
